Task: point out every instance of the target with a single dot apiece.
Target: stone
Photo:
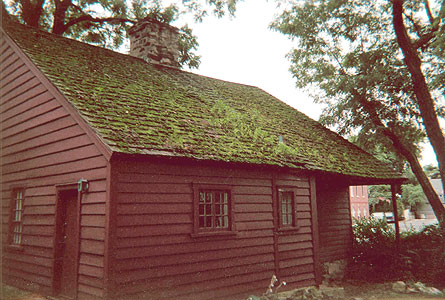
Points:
(333, 292)
(399, 287)
(419, 285)
(334, 271)
(411, 290)
(430, 291)
(306, 294)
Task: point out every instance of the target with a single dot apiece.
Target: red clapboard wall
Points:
(334, 219)
(156, 255)
(42, 147)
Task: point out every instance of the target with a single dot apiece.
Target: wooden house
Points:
(123, 179)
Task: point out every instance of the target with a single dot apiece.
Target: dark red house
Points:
(123, 179)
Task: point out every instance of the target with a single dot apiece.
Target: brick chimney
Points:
(155, 42)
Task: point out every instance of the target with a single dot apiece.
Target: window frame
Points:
(212, 231)
(287, 227)
(12, 234)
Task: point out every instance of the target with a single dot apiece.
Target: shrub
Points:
(375, 257)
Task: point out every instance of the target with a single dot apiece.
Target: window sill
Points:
(288, 230)
(14, 248)
(213, 234)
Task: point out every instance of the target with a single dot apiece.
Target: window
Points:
(286, 209)
(17, 217)
(213, 209)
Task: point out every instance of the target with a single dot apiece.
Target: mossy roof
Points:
(137, 107)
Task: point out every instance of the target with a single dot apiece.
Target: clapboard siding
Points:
(43, 146)
(334, 221)
(156, 254)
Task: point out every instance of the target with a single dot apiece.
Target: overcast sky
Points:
(244, 50)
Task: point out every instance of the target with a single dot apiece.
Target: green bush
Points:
(375, 257)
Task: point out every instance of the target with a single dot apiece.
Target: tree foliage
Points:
(379, 65)
(105, 23)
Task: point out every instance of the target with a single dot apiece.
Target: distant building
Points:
(424, 210)
(358, 196)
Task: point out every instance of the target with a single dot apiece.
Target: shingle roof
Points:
(136, 107)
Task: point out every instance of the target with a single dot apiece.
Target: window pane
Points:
(209, 197)
(201, 222)
(208, 221)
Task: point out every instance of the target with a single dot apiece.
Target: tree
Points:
(364, 62)
(105, 22)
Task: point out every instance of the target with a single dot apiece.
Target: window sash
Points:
(287, 214)
(17, 217)
(213, 210)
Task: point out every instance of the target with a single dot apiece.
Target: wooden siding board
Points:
(41, 119)
(37, 132)
(334, 220)
(43, 145)
(22, 85)
(17, 77)
(154, 222)
(21, 104)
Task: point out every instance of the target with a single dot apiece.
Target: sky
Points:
(244, 50)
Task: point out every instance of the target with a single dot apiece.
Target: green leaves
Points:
(105, 22)
(346, 54)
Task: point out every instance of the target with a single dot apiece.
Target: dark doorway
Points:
(65, 275)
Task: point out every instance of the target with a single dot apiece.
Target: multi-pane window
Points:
(287, 208)
(213, 208)
(17, 217)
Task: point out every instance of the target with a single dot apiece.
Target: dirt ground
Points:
(352, 292)
(364, 291)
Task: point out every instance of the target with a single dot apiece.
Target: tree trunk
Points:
(426, 106)
(32, 12)
(59, 26)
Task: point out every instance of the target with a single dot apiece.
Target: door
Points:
(65, 276)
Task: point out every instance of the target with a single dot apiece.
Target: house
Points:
(127, 179)
(358, 196)
(424, 210)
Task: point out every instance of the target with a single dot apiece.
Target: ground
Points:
(416, 224)
(353, 291)
(373, 291)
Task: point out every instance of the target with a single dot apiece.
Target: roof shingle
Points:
(136, 107)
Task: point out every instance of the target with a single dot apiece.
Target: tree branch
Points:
(424, 39)
(428, 11)
(425, 103)
(88, 18)
(415, 25)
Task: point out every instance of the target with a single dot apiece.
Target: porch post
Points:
(396, 215)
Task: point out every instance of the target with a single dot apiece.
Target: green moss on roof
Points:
(136, 107)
